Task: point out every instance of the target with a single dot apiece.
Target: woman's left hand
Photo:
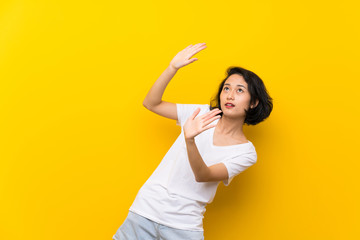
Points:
(194, 126)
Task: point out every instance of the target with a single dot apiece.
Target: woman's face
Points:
(235, 91)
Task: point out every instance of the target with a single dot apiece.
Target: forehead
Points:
(235, 79)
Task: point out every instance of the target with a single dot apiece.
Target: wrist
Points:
(189, 140)
(172, 68)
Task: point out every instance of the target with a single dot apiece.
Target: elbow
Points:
(199, 180)
(146, 105)
(203, 176)
(149, 106)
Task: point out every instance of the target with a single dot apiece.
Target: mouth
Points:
(229, 105)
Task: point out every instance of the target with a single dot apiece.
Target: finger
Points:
(211, 113)
(210, 126)
(211, 120)
(187, 48)
(199, 44)
(193, 60)
(196, 112)
(196, 46)
(193, 51)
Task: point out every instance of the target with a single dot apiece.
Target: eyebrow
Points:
(236, 85)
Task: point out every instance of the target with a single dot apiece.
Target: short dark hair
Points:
(256, 89)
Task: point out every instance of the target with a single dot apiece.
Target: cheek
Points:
(221, 96)
(244, 102)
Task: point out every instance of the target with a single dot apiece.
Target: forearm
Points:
(156, 92)
(198, 165)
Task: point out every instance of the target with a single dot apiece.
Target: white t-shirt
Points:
(171, 196)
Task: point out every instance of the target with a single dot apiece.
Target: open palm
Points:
(194, 126)
(182, 58)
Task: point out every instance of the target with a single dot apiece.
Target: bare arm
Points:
(153, 100)
(203, 173)
(192, 127)
(154, 96)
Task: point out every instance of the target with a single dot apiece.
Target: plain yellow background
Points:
(76, 143)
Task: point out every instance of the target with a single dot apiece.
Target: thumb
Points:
(193, 60)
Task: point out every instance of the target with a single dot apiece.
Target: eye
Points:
(225, 88)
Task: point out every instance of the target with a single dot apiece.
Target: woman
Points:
(171, 203)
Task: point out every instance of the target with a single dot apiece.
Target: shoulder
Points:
(245, 150)
(185, 110)
(250, 151)
(193, 106)
(188, 109)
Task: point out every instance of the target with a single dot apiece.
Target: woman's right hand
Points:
(183, 57)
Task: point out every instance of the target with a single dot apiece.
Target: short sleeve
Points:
(184, 111)
(238, 164)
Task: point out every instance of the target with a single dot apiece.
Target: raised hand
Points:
(182, 58)
(194, 126)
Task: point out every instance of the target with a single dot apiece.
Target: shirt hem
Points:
(161, 222)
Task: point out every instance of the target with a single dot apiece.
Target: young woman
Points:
(211, 148)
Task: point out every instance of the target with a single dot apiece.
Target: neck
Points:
(230, 126)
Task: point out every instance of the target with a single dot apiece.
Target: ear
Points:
(257, 102)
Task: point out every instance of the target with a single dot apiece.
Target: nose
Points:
(230, 95)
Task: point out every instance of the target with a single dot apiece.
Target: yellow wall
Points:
(76, 144)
